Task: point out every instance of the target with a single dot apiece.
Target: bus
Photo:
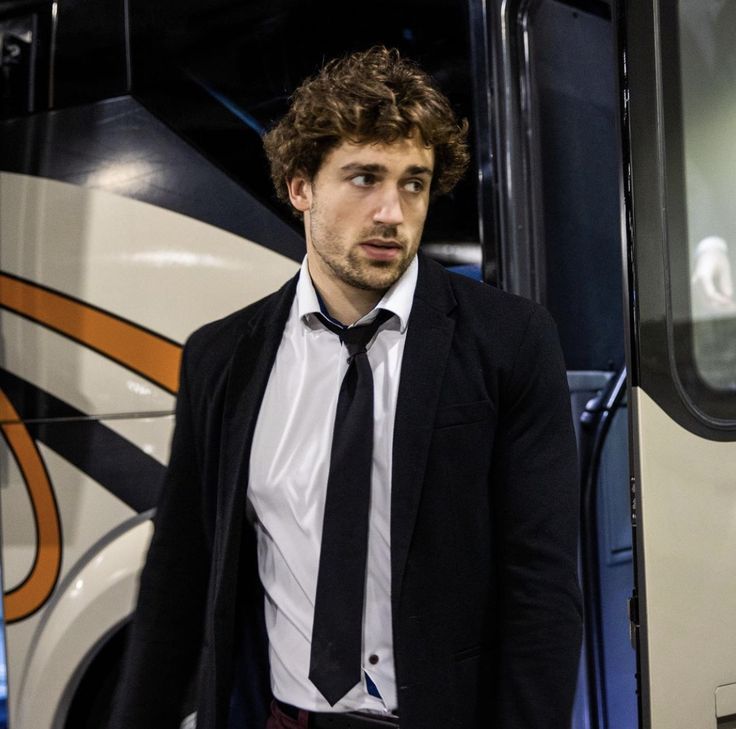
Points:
(135, 205)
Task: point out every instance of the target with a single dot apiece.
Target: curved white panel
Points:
(157, 268)
(87, 512)
(79, 376)
(100, 597)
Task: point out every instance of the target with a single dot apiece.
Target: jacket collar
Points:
(248, 374)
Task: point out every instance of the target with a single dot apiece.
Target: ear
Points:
(300, 192)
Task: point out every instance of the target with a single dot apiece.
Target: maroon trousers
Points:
(279, 720)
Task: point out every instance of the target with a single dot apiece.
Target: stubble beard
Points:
(351, 267)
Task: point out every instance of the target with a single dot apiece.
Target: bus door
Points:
(680, 111)
(555, 136)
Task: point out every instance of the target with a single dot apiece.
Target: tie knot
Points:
(356, 339)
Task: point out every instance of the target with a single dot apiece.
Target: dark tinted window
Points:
(222, 72)
(575, 175)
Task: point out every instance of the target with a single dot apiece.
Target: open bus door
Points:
(557, 161)
(680, 77)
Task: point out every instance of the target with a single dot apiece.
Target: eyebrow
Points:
(360, 167)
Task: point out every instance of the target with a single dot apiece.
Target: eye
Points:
(414, 186)
(364, 180)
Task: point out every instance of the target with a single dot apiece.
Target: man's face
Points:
(364, 211)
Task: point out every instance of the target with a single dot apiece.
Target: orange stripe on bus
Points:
(146, 353)
(33, 592)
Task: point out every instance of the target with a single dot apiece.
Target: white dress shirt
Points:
(289, 466)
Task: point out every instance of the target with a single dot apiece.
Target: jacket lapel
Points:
(250, 368)
(428, 341)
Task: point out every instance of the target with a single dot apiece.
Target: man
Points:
(448, 520)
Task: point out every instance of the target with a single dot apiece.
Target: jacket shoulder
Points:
(496, 313)
(213, 344)
(487, 298)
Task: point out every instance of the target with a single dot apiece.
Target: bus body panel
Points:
(688, 500)
(98, 292)
(96, 599)
(679, 78)
(144, 263)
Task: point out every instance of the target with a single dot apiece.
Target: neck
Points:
(343, 302)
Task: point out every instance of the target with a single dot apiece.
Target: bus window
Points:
(574, 183)
(221, 73)
(699, 79)
(708, 78)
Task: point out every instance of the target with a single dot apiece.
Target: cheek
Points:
(353, 218)
(340, 228)
(329, 218)
(417, 216)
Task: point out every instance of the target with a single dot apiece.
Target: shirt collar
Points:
(398, 299)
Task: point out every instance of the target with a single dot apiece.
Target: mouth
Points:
(381, 249)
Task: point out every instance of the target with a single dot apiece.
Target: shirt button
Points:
(373, 659)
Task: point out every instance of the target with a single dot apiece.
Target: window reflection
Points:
(708, 84)
(16, 50)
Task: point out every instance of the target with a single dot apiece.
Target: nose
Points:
(388, 210)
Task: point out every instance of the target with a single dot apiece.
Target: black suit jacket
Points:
(484, 512)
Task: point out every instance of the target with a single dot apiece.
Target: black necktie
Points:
(335, 661)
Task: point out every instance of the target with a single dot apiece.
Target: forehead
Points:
(396, 157)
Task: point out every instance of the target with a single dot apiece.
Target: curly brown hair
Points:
(366, 97)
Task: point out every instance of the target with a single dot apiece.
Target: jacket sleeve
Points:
(166, 633)
(536, 477)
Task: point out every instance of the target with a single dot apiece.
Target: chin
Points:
(375, 280)
(383, 274)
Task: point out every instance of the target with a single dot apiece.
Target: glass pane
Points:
(708, 98)
(220, 73)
